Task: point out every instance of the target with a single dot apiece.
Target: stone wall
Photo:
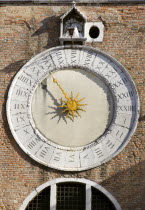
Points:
(26, 31)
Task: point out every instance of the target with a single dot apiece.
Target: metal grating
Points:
(41, 201)
(71, 196)
(100, 201)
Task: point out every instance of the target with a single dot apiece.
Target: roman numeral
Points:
(119, 83)
(36, 72)
(26, 131)
(101, 62)
(73, 57)
(110, 144)
(49, 67)
(98, 152)
(107, 75)
(119, 133)
(19, 106)
(32, 144)
(57, 156)
(112, 72)
(125, 95)
(126, 108)
(60, 58)
(98, 67)
(45, 64)
(88, 59)
(21, 92)
(71, 158)
(44, 152)
(86, 156)
(25, 80)
(20, 119)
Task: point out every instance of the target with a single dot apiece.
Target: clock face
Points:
(83, 128)
(72, 108)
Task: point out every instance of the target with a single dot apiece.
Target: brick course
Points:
(26, 31)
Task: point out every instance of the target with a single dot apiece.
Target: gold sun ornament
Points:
(72, 104)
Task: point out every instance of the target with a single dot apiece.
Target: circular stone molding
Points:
(54, 183)
(124, 111)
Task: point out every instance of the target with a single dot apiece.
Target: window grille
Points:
(100, 201)
(41, 201)
(71, 196)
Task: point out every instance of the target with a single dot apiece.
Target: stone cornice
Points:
(70, 1)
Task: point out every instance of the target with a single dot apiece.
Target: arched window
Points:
(70, 194)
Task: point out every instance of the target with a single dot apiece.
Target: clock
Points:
(72, 108)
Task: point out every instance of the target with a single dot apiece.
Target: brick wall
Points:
(27, 30)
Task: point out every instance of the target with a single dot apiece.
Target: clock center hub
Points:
(72, 105)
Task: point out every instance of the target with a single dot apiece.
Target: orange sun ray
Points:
(72, 112)
(82, 104)
(82, 109)
(76, 96)
(80, 100)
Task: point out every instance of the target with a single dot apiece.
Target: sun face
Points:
(72, 105)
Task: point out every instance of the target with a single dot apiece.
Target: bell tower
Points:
(72, 27)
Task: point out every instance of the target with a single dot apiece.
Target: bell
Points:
(76, 32)
(71, 31)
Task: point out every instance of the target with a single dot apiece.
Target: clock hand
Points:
(72, 105)
(64, 93)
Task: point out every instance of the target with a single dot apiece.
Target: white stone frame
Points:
(62, 38)
(53, 184)
(100, 26)
(64, 158)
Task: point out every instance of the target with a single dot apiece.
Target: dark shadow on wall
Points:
(13, 67)
(51, 26)
(128, 187)
(142, 118)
